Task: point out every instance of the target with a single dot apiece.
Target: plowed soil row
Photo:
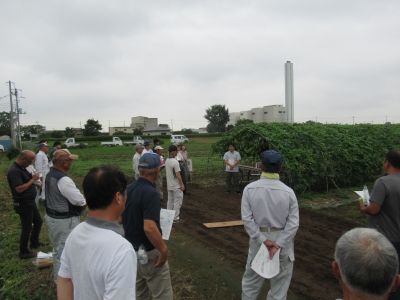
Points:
(314, 244)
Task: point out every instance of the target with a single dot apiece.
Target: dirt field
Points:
(314, 245)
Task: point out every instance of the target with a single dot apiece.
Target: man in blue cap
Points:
(147, 147)
(270, 215)
(141, 219)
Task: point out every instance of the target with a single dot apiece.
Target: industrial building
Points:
(140, 121)
(271, 113)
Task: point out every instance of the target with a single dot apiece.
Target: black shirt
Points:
(143, 203)
(17, 176)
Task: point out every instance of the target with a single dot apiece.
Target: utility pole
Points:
(353, 120)
(19, 125)
(172, 125)
(316, 119)
(12, 115)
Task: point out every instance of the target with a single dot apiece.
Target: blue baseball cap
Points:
(147, 142)
(149, 161)
(271, 158)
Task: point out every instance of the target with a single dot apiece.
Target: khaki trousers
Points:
(59, 230)
(252, 282)
(153, 283)
(159, 186)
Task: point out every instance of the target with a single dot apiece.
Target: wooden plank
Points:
(223, 224)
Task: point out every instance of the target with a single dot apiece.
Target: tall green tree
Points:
(163, 125)
(5, 125)
(27, 130)
(217, 116)
(92, 128)
(69, 132)
(58, 134)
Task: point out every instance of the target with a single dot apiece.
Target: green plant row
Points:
(318, 156)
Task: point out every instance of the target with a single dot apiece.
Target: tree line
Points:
(91, 128)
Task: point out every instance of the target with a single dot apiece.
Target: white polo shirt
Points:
(100, 262)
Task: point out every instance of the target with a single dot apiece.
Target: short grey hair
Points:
(146, 172)
(367, 261)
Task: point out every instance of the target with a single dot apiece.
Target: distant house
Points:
(157, 131)
(200, 130)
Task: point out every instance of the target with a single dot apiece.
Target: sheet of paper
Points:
(361, 194)
(44, 255)
(166, 221)
(263, 266)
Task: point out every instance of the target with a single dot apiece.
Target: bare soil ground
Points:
(314, 244)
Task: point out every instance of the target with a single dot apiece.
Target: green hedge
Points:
(318, 156)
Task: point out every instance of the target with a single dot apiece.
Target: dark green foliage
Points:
(57, 134)
(117, 133)
(27, 130)
(5, 124)
(92, 128)
(229, 127)
(69, 132)
(318, 156)
(138, 131)
(12, 152)
(217, 116)
(243, 122)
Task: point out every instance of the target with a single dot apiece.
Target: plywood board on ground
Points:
(223, 224)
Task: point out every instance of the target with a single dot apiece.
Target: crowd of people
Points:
(111, 263)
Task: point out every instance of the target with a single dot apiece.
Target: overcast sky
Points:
(113, 60)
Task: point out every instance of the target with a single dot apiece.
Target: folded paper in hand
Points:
(264, 266)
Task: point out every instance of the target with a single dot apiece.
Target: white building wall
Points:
(245, 114)
(270, 113)
(233, 117)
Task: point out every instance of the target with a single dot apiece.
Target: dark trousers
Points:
(28, 214)
(183, 175)
(235, 176)
(396, 294)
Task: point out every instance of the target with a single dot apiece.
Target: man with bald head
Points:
(23, 192)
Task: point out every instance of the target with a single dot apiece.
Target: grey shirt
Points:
(232, 158)
(386, 193)
(270, 203)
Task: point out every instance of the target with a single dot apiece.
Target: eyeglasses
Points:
(29, 161)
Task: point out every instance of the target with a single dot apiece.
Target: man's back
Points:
(387, 194)
(269, 196)
(95, 258)
(143, 203)
(171, 167)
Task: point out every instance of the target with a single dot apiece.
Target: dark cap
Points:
(172, 148)
(149, 161)
(147, 142)
(271, 158)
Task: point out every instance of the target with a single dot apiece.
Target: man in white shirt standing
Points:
(135, 160)
(64, 204)
(232, 159)
(174, 183)
(97, 262)
(42, 166)
(147, 147)
(270, 215)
